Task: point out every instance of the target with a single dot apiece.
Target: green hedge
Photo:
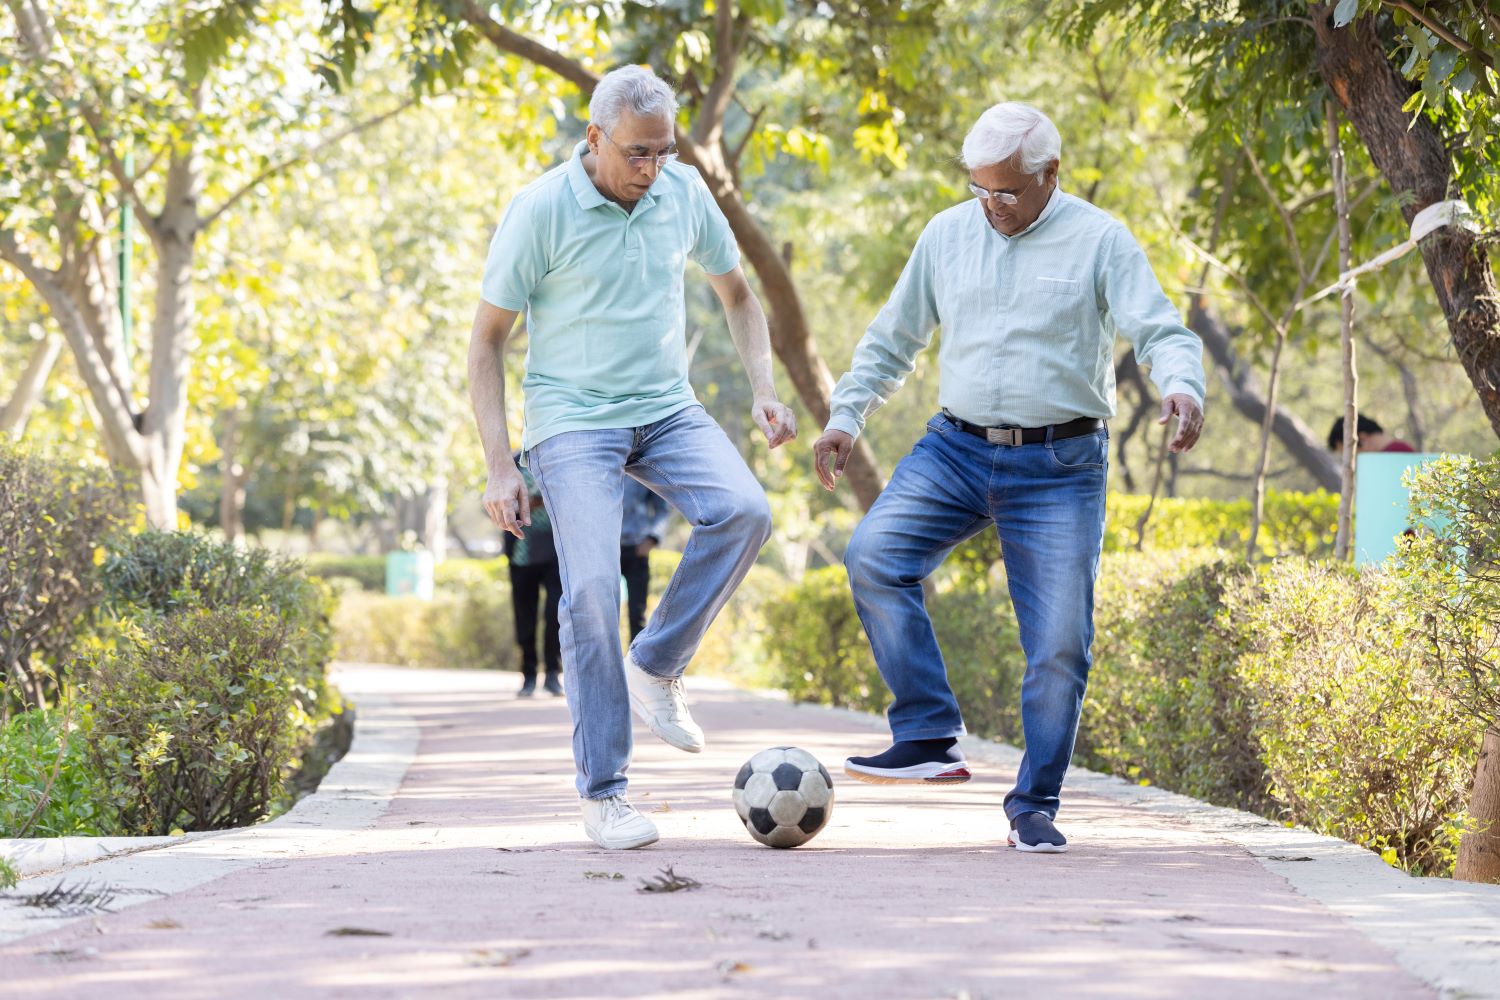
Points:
(468, 627)
(368, 572)
(1296, 689)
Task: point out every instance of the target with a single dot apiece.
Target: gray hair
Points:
(631, 88)
(1013, 131)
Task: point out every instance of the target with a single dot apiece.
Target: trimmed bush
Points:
(820, 651)
(46, 796)
(472, 628)
(161, 573)
(54, 521)
(196, 719)
(368, 572)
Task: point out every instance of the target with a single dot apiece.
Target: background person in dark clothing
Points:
(1370, 436)
(641, 530)
(533, 565)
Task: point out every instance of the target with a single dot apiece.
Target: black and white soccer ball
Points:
(784, 796)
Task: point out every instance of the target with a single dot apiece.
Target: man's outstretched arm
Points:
(752, 339)
(506, 499)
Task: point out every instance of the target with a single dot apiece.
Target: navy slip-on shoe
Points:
(1033, 833)
(930, 762)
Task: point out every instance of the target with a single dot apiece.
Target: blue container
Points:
(409, 574)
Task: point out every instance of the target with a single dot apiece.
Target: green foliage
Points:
(1357, 738)
(196, 718)
(162, 573)
(48, 787)
(471, 627)
(821, 652)
(1165, 701)
(8, 874)
(1300, 524)
(367, 572)
(1450, 574)
(54, 520)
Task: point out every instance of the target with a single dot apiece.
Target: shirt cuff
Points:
(843, 422)
(1185, 388)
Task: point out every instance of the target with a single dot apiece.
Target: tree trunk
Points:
(1411, 155)
(1263, 460)
(1344, 540)
(1479, 851)
(29, 388)
(1295, 436)
(231, 479)
(435, 520)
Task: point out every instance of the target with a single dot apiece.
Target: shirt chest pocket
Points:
(1059, 287)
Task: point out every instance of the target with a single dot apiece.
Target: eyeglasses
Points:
(985, 194)
(642, 162)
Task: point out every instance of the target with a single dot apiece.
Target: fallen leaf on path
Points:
(164, 924)
(608, 875)
(774, 935)
(729, 967)
(669, 881)
(355, 932)
(495, 957)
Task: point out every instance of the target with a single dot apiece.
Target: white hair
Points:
(1013, 131)
(631, 88)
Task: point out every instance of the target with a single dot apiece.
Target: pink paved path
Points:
(478, 874)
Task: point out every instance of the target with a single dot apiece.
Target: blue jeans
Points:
(686, 459)
(1046, 500)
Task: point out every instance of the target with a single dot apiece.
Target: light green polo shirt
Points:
(602, 292)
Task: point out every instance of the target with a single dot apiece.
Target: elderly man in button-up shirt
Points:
(594, 252)
(1030, 286)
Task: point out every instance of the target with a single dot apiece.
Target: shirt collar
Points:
(1048, 210)
(583, 187)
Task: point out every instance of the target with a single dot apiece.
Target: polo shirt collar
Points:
(583, 188)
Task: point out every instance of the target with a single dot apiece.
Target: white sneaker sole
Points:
(671, 737)
(624, 843)
(1035, 848)
(945, 773)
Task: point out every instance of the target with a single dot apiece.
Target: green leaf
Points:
(1344, 12)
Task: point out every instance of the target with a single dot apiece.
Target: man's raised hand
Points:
(506, 499)
(775, 420)
(834, 447)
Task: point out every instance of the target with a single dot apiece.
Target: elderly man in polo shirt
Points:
(594, 252)
(1030, 286)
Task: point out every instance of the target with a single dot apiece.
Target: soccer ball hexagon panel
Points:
(783, 796)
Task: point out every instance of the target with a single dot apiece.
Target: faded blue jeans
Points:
(686, 459)
(1046, 500)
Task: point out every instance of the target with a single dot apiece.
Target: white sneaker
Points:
(659, 704)
(616, 825)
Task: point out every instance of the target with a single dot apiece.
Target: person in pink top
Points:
(1370, 436)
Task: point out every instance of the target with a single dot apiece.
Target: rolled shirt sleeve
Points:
(1143, 314)
(887, 353)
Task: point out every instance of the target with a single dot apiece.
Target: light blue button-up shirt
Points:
(602, 292)
(1029, 321)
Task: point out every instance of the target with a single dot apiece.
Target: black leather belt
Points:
(1028, 435)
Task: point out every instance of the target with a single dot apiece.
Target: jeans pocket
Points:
(940, 424)
(1086, 451)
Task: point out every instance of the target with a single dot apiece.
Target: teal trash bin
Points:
(409, 574)
(1381, 501)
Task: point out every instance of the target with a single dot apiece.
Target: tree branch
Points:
(1442, 32)
(291, 161)
(519, 45)
(710, 118)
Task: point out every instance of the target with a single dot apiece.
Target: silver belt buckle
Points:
(1003, 435)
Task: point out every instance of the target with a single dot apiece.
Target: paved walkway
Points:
(475, 879)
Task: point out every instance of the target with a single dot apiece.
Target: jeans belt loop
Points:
(1003, 435)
